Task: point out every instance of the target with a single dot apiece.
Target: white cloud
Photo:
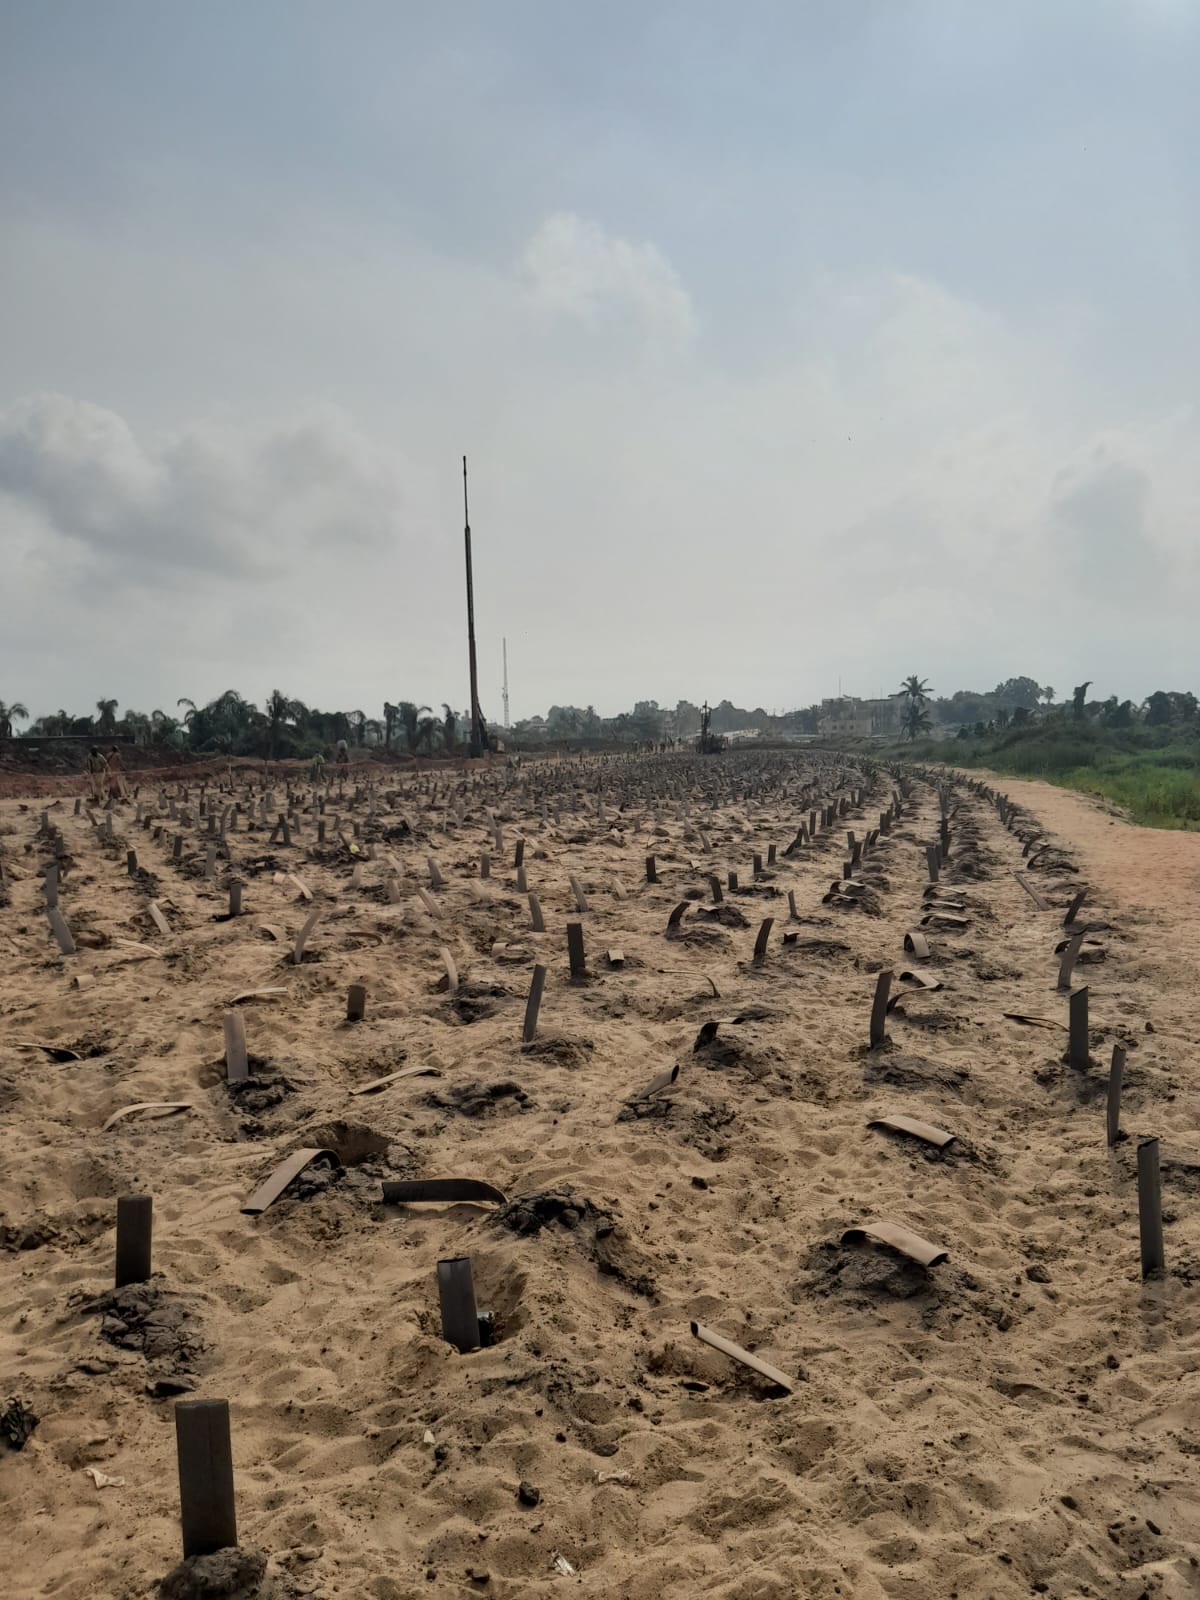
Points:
(203, 500)
(894, 481)
(770, 385)
(574, 268)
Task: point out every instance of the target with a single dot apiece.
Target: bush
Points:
(1153, 772)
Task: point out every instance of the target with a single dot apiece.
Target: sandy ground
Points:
(1022, 1418)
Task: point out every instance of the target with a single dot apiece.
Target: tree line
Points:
(1164, 710)
(287, 727)
(231, 725)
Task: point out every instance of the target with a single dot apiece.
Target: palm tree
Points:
(410, 719)
(189, 717)
(1079, 697)
(10, 714)
(223, 723)
(449, 727)
(325, 726)
(427, 729)
(915, 690)
(162, 726)
(914, 719)
(53, 723)
(1048, 695)
(391, 715)
(108, 716)
(280, 710)
(358, 721)
(374, 728)
(228, 720)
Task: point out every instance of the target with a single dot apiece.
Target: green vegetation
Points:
(1152, 769)
(232, 725)
(914, 718)
(10, 714)
(1144, 757)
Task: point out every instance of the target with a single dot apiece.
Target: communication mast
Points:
(479, 736)
(504, 692)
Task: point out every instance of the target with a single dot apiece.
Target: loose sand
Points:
(1024, 1418)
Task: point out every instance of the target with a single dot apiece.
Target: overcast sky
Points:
(791, 344)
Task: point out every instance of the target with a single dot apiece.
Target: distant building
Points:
(885, 716)
(847, 717)
(844, 718)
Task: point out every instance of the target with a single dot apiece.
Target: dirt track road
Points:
(1152, 873)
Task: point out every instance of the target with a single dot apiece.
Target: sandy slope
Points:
(969, 1430)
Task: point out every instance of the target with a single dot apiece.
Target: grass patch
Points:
(1158, 795)
(1154, 774)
